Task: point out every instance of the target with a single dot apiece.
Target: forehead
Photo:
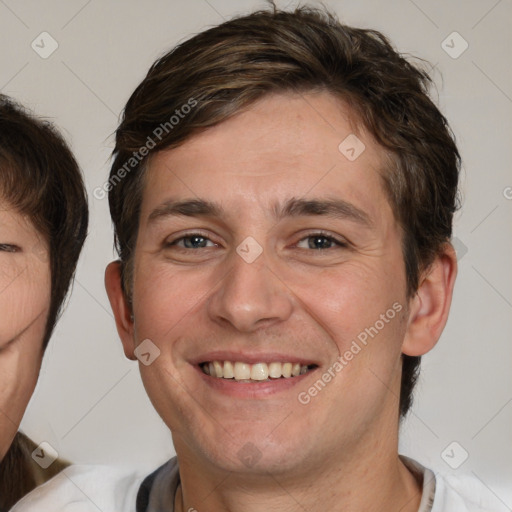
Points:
(13, 222)
(10, 217)
(283, 146)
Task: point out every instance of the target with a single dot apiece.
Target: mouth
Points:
(243, 372)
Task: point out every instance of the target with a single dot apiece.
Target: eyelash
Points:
(9, 248)
(330, 238)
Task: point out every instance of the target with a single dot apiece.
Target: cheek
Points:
(20, 364)
(19, 368)
(24, 302)
(165, 389)
(164, 296)
(349, 299)
(363, 310)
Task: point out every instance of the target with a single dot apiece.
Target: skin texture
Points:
(338, 452)
(25, 287)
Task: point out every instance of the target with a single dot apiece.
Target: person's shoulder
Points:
(450, 492)
(465, 494)
(85, 488)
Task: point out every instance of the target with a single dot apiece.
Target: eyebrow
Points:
(294, 207)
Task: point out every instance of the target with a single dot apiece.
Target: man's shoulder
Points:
(453, 492)
(465, 494)
(82, 488)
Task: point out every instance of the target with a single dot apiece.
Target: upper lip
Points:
(252, 357)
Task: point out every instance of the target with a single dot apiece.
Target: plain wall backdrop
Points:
(90, 403)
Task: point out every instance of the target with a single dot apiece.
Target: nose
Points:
(251, 296)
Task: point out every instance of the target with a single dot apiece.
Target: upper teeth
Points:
(258, 371)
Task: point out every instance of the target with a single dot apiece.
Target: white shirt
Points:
(110, 489)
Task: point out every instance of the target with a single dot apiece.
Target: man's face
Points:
(25, 287)
(306, 284)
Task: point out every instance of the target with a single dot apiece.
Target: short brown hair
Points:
(39, 177)
(227, 68)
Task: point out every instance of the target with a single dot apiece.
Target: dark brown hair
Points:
(39, 177)
(227, 68)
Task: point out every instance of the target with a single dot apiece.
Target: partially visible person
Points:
(43, 226)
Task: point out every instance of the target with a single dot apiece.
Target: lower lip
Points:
(255, 389)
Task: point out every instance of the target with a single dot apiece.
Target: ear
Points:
(429, 308)
(120, 307)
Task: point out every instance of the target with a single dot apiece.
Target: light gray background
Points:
(90, 404)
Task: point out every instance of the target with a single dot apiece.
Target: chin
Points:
(249, 450)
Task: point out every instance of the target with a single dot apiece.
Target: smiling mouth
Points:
(258, 372)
